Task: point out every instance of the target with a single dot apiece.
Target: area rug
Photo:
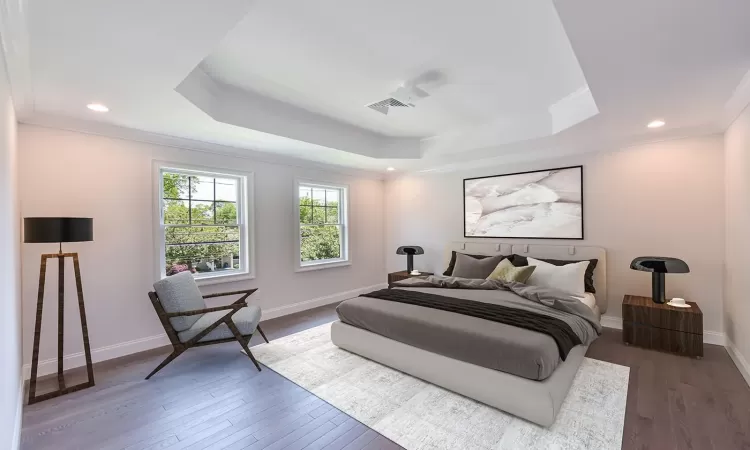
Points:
(418, 415)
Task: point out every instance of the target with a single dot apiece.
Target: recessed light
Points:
(656, 124)
(390, 169)
(98, 107)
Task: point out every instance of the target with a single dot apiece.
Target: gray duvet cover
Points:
(525, 353)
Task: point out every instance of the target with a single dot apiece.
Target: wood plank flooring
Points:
(675, 402)
(213, 398)
(208, 398)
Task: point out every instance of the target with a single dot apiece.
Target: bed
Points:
(513, 369)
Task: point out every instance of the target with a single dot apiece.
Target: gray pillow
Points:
(468, 267)
(179, 293)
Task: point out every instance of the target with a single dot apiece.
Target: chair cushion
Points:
(246, 320)
(179, 293)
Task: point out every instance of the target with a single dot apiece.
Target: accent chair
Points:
(188, 322)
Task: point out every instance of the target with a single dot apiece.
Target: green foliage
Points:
(186, 245)
(176, 185)
(319, 227)
(319, 240)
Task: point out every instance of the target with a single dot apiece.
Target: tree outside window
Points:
(321, 223)
(201, 224)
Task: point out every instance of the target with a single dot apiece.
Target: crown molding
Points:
(130, 134)
(523, 154)
(737, 103)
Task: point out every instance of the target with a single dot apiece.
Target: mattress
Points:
(524, 353)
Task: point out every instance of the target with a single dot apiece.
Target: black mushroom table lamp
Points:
(410, 251)
(658, 266)
(58, 230)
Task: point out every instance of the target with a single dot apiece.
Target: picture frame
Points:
(536, 204)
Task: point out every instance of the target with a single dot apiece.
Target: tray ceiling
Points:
(293, 78)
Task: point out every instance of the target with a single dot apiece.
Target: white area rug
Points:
(419, 415)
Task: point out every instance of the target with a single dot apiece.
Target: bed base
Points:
(535, 401)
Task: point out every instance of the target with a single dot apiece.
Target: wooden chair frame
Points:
(180, 347)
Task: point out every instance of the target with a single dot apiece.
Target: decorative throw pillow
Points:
(520, 260)
(468, 267)
(452, 264)
(506, 271)
(568, 278)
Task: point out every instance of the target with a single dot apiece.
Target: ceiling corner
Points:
(737, 103)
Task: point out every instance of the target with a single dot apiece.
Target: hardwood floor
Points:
(213, 398)
(675, 402)
(209, 398)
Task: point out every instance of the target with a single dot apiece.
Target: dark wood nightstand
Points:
(402, 275)
(662, 327)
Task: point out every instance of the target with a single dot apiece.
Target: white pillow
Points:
(568, 278)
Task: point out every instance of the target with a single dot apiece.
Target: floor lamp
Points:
(58, 230)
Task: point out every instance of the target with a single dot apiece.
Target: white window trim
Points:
(345, 260)
(245, 212)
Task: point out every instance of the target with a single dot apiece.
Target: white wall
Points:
(73, 174)
(661, 199)
(737, 274)
(10, 275)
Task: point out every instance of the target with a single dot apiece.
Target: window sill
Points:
(225, 278)
(322, 265)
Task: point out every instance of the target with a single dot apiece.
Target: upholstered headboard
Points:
(572, 252)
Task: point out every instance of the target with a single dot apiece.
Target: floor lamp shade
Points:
(57, 229)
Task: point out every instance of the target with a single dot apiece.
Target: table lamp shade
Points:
(58, 229)
(659, 264)
(410, 250)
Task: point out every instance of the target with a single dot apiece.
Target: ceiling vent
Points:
(410, 92)
(384, 105)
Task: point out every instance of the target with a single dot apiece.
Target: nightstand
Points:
(662, 327)
(402, 275)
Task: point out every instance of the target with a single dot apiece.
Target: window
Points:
(203, 225)
(322, 231)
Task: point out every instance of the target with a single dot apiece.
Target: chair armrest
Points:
(222, 294)
(235, 305)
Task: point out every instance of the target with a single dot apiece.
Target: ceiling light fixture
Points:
(656, 124)
(390, 169)
(98, 107)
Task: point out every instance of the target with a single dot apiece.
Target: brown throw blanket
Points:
(558, 330)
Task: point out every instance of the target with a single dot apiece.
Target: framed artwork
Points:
(542, 204)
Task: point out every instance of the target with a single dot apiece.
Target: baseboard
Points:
(739, 361)
(320, 301)
(714, 337)
(49, 366)
(15, 443)
(709, 337)
(611, 322)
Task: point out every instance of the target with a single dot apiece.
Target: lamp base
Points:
(62, 388)
(657, 287)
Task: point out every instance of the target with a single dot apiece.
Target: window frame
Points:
(245, 220)
(345, 259)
